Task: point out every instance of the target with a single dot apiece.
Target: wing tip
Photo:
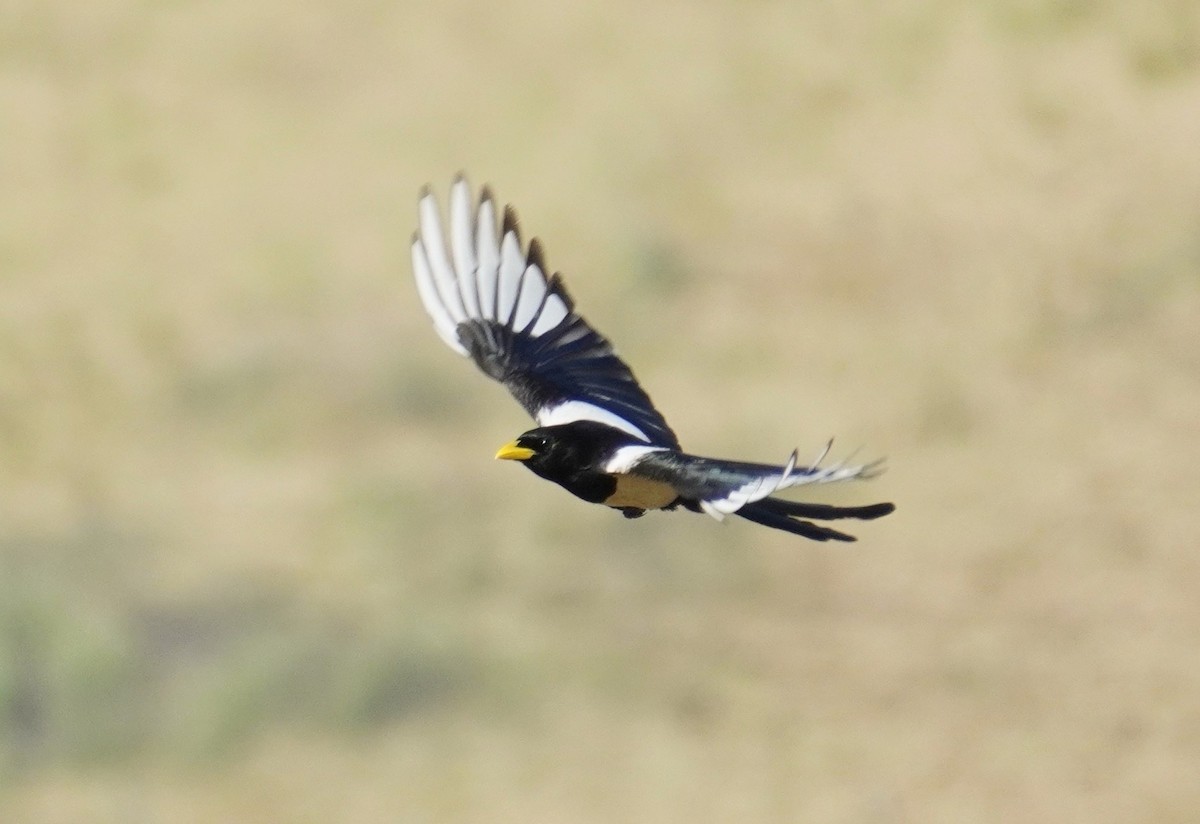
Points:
(460, 189)
(512, 223)
(556, 286)
(536, 256)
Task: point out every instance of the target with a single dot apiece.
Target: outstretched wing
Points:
(721, 487)
(493, 301)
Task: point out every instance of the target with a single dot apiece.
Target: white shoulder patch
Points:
(572, 411)
(627, 457)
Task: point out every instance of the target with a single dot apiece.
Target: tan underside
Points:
(641, 493)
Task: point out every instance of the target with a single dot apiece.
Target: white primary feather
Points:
(761, 488)
(442, 322)
(512, 267)
(439, 265)
(533, 289)
(462, 244)
(553, 313)
(487, 250)
(754, 490)
(484, 276)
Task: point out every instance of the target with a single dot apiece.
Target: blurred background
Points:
(257, 562)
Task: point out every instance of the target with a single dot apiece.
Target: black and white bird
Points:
(598, 434)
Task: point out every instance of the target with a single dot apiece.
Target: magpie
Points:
(599, 436)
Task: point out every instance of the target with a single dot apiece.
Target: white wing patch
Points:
(508, 280)
(627, 457)
(790, 476)
(480, 275)
(479, 271)
(439, 264)
(533, 289)
(487, 250)
(572, 411)
(754, 490)
(553, 313)
(462, 246)
(445, 325)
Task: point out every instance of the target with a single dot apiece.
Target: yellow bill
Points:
(512, 452)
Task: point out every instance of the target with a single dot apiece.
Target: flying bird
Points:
(598, 436)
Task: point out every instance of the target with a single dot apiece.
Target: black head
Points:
(568, 453)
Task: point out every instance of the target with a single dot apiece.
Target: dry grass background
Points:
(256, 562)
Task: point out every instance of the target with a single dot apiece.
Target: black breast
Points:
(593, 487)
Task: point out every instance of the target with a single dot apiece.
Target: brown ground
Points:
(256, 562)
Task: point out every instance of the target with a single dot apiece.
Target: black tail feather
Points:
(824, 512)
(785, 515)
(807, 529)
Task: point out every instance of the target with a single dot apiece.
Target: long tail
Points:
(787, 515)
